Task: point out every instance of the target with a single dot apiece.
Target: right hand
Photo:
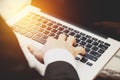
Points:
(62, 42)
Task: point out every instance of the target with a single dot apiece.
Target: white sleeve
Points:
(59, 54)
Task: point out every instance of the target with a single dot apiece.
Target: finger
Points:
(35, 52)
(71, 40)
(80, 50)
(62, 37)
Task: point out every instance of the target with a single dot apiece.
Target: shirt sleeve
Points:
(59, 54)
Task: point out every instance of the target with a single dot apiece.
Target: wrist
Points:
(58, 54)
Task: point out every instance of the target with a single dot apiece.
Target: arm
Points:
(13, 65)
(58, 56)
(55, 71)
(60, 65)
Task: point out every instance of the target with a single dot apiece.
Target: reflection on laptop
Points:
(34, 26)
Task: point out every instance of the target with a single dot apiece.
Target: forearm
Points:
(60, 65)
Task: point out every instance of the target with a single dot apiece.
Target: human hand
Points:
(62, 42)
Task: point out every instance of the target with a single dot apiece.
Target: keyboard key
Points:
(37, 24)
(13, 27)
(44, 22)
(64, 26)
(54, 31)
(55, 26)
(61, 28)
(88, 36)
(51, 34)
(82, 43)
(28, 29)
(89, 40)
(39, 20)
(103, 47)
(44, 36)
(95, 54)
(43, 26)
(39, 34)
(87, 50)
(78, 36)
(77, 40)
(101, 51)
(83, 38)
(106, 44)
(58, 33)
(28, 34)
(56, 36)
(46, 32)
(22, 27)
(84, 60)
(72, 33)
(35, 27)
(66, 31)
(41, 29)
(17, 29)
(94, 39)
(77, 58)
(59, 24)
(88, 45)
(70, 29)
(95, 48)
(76, 31)
(49, 24)
(89, 63)
(38, 39)
(100, 41)
(95, 43)
(22, 32)
(34, 31)
(49, 28)
(83, 34)
(75, 45)
(43, 17)
(91, 57)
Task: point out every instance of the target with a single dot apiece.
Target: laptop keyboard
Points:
(39, 28)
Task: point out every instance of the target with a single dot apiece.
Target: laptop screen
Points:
(10, 8)
(85, 13)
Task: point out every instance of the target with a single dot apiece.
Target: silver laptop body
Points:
(20, 13)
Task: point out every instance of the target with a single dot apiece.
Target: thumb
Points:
(80, 50)
(36, 52)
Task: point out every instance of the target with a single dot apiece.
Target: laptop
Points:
(32, 26)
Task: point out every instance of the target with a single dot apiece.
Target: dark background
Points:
(85, 13)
